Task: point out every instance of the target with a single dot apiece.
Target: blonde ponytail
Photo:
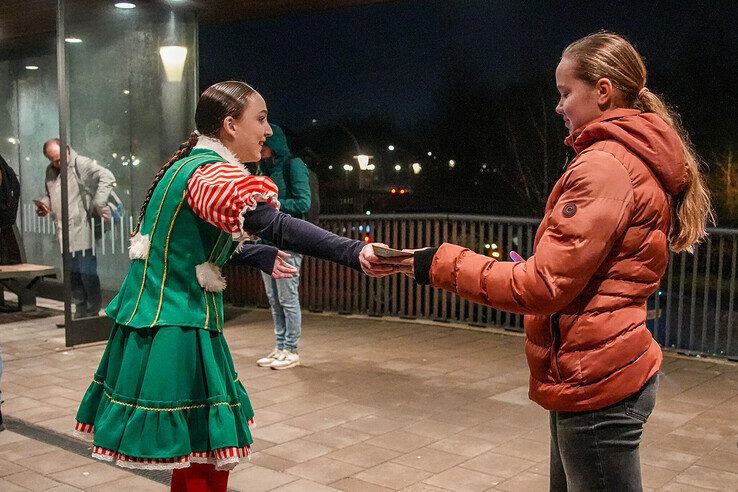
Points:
(608, 55)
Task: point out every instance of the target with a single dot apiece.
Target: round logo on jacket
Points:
(569, 210)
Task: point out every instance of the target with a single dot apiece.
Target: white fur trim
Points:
(139, 248)
(210, 143)
(209, 277)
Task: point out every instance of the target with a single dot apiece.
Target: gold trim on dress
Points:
(166, 258)
(151, 233)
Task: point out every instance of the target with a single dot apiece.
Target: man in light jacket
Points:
(89, 186)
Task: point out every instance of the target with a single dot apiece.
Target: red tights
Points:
(199, 478)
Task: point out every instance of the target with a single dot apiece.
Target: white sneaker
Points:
(273, 355)
(290, 359)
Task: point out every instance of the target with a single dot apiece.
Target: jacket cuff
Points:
(422, 261)
(443, 270)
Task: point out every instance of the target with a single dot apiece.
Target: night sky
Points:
(389, 59)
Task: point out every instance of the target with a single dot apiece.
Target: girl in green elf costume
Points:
(166, 394)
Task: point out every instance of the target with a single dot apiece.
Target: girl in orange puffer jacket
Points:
(633, 191)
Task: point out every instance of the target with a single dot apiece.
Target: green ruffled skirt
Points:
(164, 397)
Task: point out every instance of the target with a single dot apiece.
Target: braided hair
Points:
(215, 104)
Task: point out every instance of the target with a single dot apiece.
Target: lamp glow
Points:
(363, 161)
(173, 58)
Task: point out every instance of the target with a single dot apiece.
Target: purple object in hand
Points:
(516, 257)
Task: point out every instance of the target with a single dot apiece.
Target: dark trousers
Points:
(598, 450)
(85, 283)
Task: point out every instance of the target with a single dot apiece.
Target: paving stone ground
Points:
(376, 405)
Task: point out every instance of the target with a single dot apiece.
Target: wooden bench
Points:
(21, 279)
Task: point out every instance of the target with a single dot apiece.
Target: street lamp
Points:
(363, 161)
(417, 168)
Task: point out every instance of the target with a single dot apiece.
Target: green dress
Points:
(166, 392)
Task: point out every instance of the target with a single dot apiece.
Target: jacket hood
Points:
(646, 135)
(278, 143)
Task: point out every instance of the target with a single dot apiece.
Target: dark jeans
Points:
(598, 450)
(85, 283)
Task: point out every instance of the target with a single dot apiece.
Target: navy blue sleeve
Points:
(261, 256)
(290, 234)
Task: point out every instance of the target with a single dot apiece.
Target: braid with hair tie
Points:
(184, 150)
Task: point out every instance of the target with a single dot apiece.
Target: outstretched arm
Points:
(291, 234)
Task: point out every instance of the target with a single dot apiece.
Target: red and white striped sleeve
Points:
(219, 193)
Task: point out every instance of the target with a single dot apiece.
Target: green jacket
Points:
(164, 287)
(294, 197)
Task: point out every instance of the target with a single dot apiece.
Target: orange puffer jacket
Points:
(600, 252)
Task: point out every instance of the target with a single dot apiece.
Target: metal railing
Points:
(112, 235)
(694, 310)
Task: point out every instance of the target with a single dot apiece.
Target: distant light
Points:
(330, 168)
(398, 167)
(430, 153)
(486, 246)
(314, 121)
(126, 92)
(368, 212)
(136, 162)
(13, 140)
(494, 246)
(496, 254)
(348, 167)
(28, 158)
(393, 191)
(72, 40)
(484, 166)
(31, 67)
(371, 167)
(403, 191)
(390, 147)
(417, 168)
(451, 164)
(125, 5)
(115, 155)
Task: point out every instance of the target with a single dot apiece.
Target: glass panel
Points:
(132, 84)
(28, 113)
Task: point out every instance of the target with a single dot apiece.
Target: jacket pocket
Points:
(555, 344)
(640, 405)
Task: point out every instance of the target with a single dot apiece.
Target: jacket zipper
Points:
(556, 336)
